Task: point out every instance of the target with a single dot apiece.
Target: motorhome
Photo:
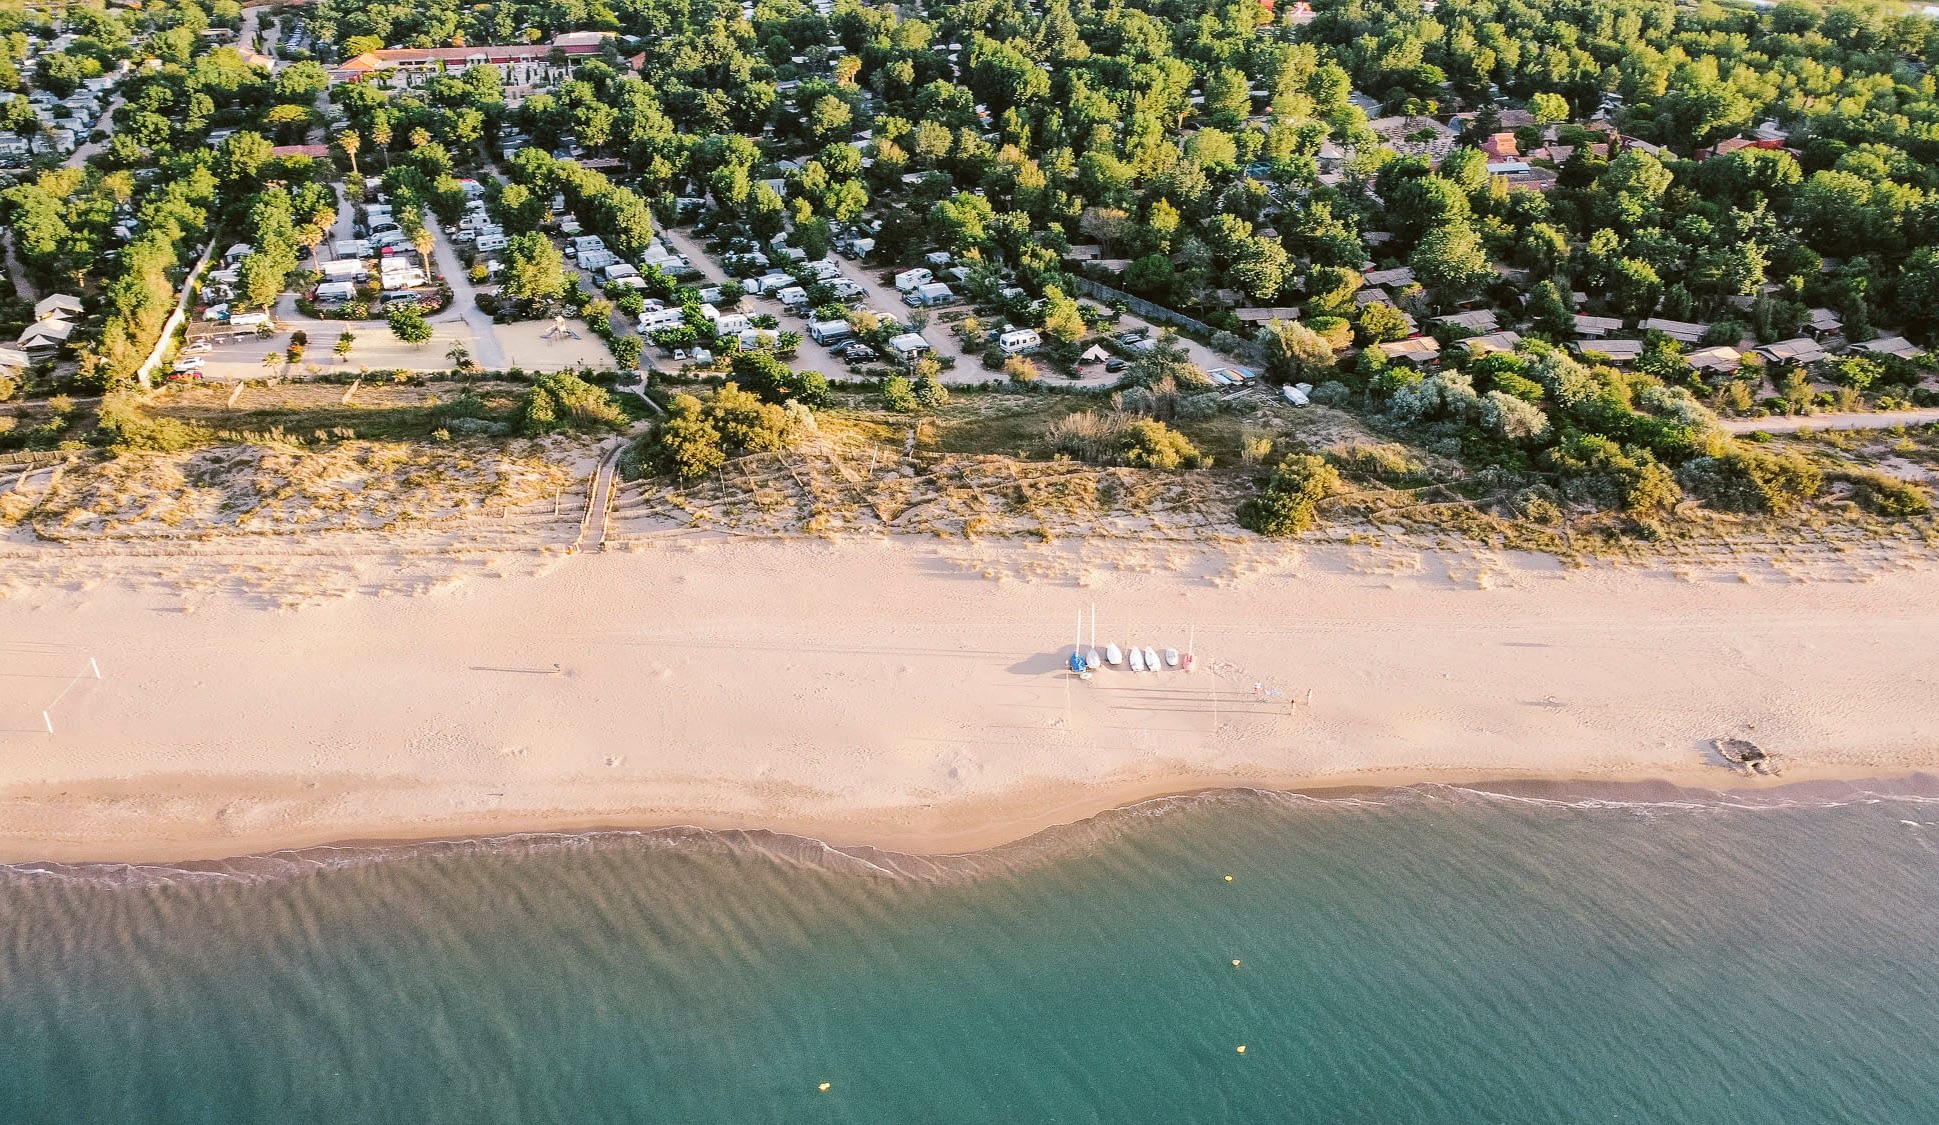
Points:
(490, 242)
(597, 259)
(335, 291)
(793, 296)
(345, 269)
(770, 283)
(731, 324)
(908, 281)
(614, 271)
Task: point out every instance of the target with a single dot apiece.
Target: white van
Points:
(908, 281)
(490, 242)
(345, 269)
(333, 291)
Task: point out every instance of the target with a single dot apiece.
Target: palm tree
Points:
(350, 142)
(343, 346)
(424, 240)
(460, 357)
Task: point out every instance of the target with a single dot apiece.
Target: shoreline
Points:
(907, 696)
(992, 840)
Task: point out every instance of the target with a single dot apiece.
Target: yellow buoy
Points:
(824, 1085)
(1242, 1048)
(1228, 878)
(1235, 962)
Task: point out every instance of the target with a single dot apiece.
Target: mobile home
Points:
(908, 281)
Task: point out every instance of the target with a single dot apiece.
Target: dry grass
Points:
(271, 488)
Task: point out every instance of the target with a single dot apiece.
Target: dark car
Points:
(860, 353)
(1115, 365)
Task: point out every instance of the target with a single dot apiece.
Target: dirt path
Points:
(1791, 424)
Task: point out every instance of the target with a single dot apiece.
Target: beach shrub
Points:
(126, 428)
(1085, 435)
(1752, 480)
(1885, 495)
(1149, 443)
(698, 437)
(776, 382)
(1596, 470)
(898, 395)
(1287, 500)
(1331, 393)
(563, 401)
(1386, 462)
(930, 392)
(686, 445)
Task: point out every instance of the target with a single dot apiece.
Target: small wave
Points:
(1103, 828)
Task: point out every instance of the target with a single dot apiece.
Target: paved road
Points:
(1790, 424)
(105, 126)
(464, 304)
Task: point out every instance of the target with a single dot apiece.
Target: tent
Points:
(1096, 354)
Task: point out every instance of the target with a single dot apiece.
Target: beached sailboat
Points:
(1151, 658)
(1171, 658)
(1077, 662)
(1091, 657)
(1113, 655)
(1191, 642)
(1137, 659)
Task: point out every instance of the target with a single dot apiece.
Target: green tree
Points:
(407, 324)
(1450, 262)
(535, 271)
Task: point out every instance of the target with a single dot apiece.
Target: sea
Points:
(1428, 954)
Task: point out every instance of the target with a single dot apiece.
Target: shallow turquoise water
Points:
(1428, 955)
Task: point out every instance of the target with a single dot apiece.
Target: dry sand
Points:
(909, 693)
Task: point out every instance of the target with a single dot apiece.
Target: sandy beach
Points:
(909, 694)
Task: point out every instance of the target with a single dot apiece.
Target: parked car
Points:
(859, 354)
(183, 366)
(1115, 365)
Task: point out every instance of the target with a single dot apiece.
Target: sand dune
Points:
(908, 693)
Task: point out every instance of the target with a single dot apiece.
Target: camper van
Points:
(908, 281)
(334, 291)
(345, 269)
(586, 242)
(770, 283)
(793, 296)
(1019, 341)
(490, 242)
(614, 271)
(730, 325)
(597, 259)
(351, 248)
